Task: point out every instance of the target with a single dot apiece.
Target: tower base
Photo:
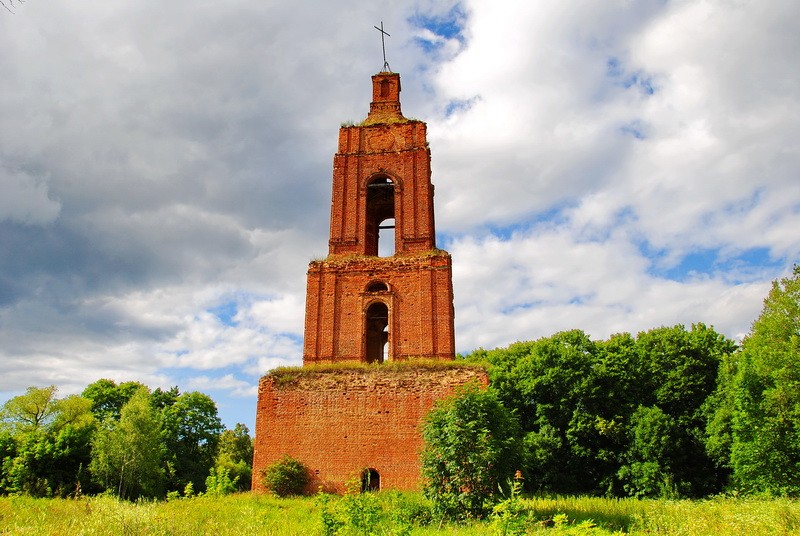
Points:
(345, 423)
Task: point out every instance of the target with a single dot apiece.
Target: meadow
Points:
(392, 514)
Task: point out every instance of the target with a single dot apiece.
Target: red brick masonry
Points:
(364, 308)
(340, 422)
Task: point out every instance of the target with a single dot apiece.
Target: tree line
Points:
(120, 438)
(671, 412)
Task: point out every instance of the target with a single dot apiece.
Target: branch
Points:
(11, 4)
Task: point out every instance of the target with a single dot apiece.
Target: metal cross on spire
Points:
(386, 67)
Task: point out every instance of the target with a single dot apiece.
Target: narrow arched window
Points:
(377, 332)
(380, 238)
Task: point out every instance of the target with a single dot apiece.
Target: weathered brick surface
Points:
(362, 307)
(393, 149)
(419, 298)
(341, 422)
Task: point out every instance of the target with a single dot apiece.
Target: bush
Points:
(219, 482)
(471, 451)
(286, 477)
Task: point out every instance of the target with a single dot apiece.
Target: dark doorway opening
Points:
(370, 480)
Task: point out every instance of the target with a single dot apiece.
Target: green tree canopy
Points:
(108, 398)
(33, 410)
(471, 452)
(235, 454)
(758, 403)
(191, 435)
(45, 446)
(127, 454)
(576, 399)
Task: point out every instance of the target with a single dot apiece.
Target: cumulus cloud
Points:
(165, 172)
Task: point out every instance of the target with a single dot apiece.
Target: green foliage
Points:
(219, 482)
(44, 448)
(235, 454)
(31, 411)
(509, 516)
(471, 448)
(127, 454)
(191, 434)
(286, 477)
(358, 513)
(648, 468)
(265, 514)
(52, 446)
(108, 398)
(576, 399)
(757, 405)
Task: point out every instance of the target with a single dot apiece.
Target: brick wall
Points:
(419, 299)
(340, 422)
(400, 152)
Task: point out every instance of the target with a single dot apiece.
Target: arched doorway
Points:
(377, 335)
(370, 480)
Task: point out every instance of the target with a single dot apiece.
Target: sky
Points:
(165, 172)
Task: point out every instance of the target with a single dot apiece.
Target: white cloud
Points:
(165, 172)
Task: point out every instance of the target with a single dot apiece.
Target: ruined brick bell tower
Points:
(381, 295)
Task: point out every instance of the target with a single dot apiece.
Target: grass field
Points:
(249, 514)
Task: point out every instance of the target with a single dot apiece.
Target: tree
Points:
(758, 406)
(9, 4)
(471, 453)
(648, 469)
(31, 411)
(191, 434)
(681, 368)
(577, 400)
(108, 398)
(235, 455)
(127, 454)
(46, 443)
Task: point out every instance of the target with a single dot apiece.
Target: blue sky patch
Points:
(447, 26)
(226, 313)
(458, 105)
(637, 79)
(739, 267)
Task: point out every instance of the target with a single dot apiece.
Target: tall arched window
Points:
(377, 332)
(380, 217)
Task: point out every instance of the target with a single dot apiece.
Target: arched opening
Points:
(377, 326)
(380, 217)
(370, 480)
(377, 286)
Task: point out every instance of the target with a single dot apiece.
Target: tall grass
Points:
(254, 514)
(233, 514)
(712, 517)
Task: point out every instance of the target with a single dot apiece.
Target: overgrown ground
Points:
(391, 513)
